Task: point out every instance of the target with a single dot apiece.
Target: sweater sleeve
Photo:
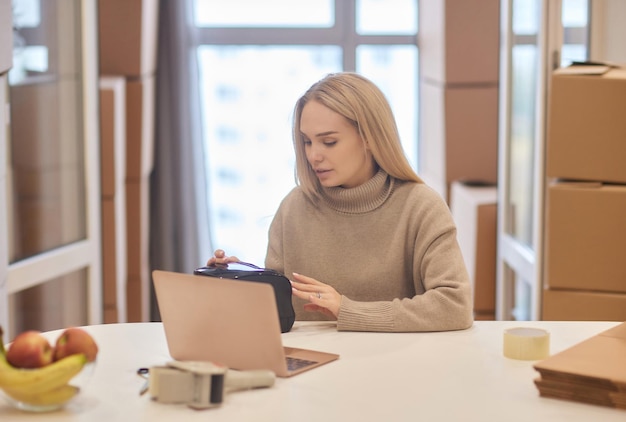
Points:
(438, 271)
(273, 257)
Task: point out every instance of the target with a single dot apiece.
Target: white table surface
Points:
(447, 376)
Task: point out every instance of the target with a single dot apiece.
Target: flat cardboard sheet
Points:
(592, 371)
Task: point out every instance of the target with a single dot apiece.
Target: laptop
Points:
(228, 322)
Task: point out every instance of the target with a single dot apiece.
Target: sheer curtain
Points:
(179, 226)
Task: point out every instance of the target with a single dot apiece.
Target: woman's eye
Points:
(330, 143)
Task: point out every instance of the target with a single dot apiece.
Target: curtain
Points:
(179, 226)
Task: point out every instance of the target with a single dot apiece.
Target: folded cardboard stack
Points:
(593, 371)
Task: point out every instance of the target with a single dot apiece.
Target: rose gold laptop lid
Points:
(233, 323)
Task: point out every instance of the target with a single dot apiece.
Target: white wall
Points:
(608, 31)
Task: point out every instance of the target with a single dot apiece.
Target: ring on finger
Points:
(319, 295)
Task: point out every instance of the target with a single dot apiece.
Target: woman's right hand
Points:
(219, 259)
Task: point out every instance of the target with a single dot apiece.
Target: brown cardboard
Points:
(51, 108)
(458, 135)
(137, 227)
(579, 305)
(140, 121)
(459, 40)
(585, 237)
(6, 36)
(484, 316)
(114, 268)
(137, 244)
(138, 298)
(128, 36)
(109, 262)
(112, 134)
(591, 371)
(586, 128)
(474, 210)
(48, 207)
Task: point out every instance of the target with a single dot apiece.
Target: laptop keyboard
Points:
(296, 363)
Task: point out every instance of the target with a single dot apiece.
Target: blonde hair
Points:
(364, 105)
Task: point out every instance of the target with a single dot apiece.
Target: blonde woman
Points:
(363, 239)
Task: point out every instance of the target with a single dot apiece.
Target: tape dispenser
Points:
(201, 385)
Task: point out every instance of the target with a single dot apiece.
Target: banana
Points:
(54, 397)
(39, 380)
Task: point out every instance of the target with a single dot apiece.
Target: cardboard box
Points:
(585, 237)
(586, 127)
(112, 134)
(484, 316)
(137, 250)
(140, 121)
(578, 305)
(128, 36)
(137, 227)
(6, 36)
(459, 41)
(475, 211)
(46, 119)
(138, 298)
(114, 268)
(458, 135)
(48, 209)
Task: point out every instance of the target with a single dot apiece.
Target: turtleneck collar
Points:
(361, 199)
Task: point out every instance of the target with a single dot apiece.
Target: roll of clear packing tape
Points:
(524, 343)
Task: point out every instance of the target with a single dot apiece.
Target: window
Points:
(530, 52)
(575, 16)
(255, 59)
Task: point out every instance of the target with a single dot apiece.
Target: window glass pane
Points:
(526, 17)
(575, 37)
(394, 69)
(26, 13)
(573, 53)
(247, 129)
(379, 17)
(522, 139)
(255, 13)
(574, 13)
(521, 310)
(39, 307)
(46, 192)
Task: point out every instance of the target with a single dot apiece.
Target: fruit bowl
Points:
(38, 377)
(32, 400)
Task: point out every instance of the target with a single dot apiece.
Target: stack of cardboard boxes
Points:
(128, 61)
(585, 249)
(459, 76)
(475, 211)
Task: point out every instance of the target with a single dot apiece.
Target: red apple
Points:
(75, 340)
(30, 350)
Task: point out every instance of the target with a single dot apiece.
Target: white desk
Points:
(449, 376)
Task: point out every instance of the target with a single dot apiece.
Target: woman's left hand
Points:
(322, 297)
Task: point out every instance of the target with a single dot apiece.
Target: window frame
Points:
(339, 35)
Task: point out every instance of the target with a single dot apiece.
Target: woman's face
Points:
(334, 148)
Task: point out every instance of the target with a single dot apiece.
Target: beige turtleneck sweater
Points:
(388, 247)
